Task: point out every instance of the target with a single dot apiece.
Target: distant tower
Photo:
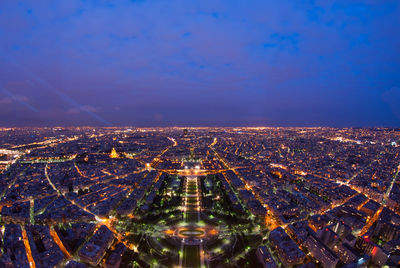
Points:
(114, 153)
(185, 132)
(192, 153)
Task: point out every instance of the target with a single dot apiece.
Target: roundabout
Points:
(198, 231)
(187, 233)
(194, 232)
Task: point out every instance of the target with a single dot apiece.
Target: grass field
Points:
(191, 217)
(191, 256)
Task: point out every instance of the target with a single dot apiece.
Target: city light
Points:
(195, 190)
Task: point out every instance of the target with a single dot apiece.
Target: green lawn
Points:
(191, 256)
(191, 216)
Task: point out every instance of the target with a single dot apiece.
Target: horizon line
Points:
(176, 126)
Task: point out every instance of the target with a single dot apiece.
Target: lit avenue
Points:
(199, 197)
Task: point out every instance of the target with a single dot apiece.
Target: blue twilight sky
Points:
(226, 63)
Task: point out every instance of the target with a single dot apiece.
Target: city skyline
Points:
(199, 134)
(84, 197)
(208, 63)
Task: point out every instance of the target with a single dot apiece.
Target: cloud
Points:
(81, 109)
(148, 56)
(392, 98)
(12, 99)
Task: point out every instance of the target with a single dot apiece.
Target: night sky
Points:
(200, 63)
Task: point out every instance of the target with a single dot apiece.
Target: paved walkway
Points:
(192, 254)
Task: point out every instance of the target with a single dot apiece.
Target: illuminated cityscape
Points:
(199, 134)
(200, 197)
